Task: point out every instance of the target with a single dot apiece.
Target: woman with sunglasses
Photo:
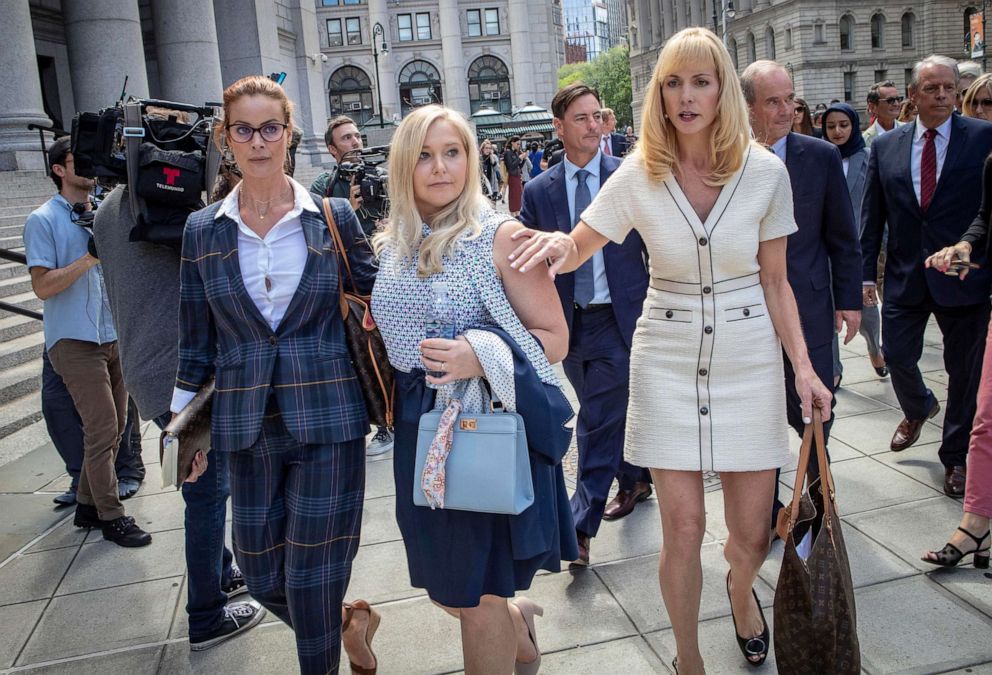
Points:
(802, 122)
(259, 311)
(977, 100)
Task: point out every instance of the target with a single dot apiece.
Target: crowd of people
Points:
(738, 217)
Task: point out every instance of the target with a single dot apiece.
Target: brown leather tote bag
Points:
(365, 343)
(815, 619)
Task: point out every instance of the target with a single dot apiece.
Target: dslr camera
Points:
(372, 178)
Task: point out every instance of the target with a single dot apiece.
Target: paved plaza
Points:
(71, 602)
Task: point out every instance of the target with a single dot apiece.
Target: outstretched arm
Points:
(563, 252)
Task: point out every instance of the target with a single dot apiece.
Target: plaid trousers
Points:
(297, 516)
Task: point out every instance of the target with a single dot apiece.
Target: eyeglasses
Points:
(270, 132)
(983, 103)
(892, 100)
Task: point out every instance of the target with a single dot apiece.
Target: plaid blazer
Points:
(304, 360)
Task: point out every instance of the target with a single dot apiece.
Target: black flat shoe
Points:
(951, 555)
(882, 371)
(753, 647)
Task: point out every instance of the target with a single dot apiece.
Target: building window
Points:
(423, 26)
(732, 47)
(877, 31)
(353, 26)
(908, 23)
(818, 32)
(336, 3)
(492, 22)
(770, 43)
(788, 39)
(489, 84)
(849, 86)
(907, 76)
(350, 93)
(967, 28)
(752, 54)
(881, 75)
(335, 37)
(846, 27)
(474, 22)
(405, 24)
(420, 84)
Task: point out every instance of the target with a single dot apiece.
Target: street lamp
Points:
(379, 32)
(727, 12)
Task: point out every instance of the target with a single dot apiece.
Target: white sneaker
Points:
(381, 443)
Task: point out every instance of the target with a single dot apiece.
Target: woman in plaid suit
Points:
(259, 310)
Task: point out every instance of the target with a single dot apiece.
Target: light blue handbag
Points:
(488, 467)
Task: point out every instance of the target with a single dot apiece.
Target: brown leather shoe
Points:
(954, 480)
(583, 559)
(908, 431)
(626, 500)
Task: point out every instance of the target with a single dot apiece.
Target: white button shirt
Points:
(941, 141)
(271, 266)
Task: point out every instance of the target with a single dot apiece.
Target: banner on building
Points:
(977, 35)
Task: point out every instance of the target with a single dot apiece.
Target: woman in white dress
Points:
(706, 375)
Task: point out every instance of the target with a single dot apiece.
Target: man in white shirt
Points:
(884, 102)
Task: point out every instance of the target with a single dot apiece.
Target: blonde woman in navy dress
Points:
(441, 228)
(714, 210)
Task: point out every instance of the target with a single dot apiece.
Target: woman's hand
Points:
(455, 358)
(812, 392)
(942, 259)
(536, 246)
(200, 463)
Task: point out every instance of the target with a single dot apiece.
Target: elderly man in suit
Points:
(824, 255)
(602, 302)
(925, 181)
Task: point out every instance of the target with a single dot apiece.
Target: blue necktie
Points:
(585, 287)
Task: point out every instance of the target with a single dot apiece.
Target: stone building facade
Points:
(65, 56)
(833, 49)
(466, 54)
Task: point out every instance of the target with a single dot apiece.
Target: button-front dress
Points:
(706, 373)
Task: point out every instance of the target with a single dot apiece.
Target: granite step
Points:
(15, 326)
(20, 413)
(20, 381)
(21, 350)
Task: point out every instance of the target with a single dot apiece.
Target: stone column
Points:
(668, 27)
(105, 46)
(186, 45)
(455, 75)
(390, 103)
(311, 109)
(21, 103)
(520, 53)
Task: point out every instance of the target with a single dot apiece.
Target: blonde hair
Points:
(403, 229)
(657, 147)
(968, 101)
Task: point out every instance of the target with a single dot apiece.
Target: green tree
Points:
(610, 74)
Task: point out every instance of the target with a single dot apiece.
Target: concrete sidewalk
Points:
(71, 602)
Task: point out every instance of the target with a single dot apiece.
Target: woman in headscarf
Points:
(840, 127)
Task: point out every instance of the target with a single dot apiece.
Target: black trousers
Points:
(964, 330)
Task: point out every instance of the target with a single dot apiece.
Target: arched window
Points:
(752, 54)
(846, 26)
(489, 84)
(420, 84)
(732, 47)
(770, 43)
(877, 31)
(908, 26)
(350, 93)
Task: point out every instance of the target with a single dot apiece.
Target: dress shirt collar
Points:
(778, 147)
(592, 167)
(302, 201)
(944, 130)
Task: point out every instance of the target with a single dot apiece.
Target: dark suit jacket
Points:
(545, 208)
(914, 235)
(618, 143)
(824, 254)
(304, 360)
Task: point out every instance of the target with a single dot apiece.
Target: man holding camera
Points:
(344, 142)
(81, 342)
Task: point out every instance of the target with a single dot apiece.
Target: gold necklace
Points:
(262, 212)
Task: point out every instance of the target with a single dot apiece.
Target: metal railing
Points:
(41, 137)
(14, 256)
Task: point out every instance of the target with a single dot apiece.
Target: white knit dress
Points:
(706, 378)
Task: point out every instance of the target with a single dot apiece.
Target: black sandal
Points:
(753, 647)
(951, 555)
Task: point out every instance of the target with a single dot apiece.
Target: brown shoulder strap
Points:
(332, 227)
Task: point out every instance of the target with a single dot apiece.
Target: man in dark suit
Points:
(613, 144)
(602, 302)
(824, 258)
(925, 181)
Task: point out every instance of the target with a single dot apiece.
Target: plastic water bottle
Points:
(440, 319)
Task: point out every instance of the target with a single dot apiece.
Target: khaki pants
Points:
(92, 374)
